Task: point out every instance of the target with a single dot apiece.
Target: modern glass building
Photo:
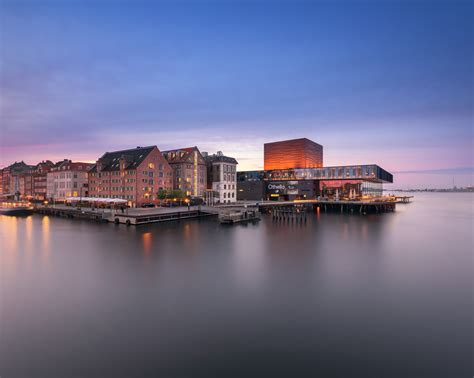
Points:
(351, 181)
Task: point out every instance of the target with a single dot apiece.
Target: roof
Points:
(304, 140)
(133, 158)
(19, 167)
(216, 158)
(182, 155)
(68, 165)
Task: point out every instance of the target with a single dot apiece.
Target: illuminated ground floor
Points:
(347, 182)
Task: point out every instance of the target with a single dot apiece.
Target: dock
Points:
(157, 216)
(342, 206)
(286, 210)
(136, 216)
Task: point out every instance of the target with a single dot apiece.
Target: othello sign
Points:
(287, 187)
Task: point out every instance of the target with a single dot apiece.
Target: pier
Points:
(290, 211)
(159, 215)
(136, 216)
(341, 206)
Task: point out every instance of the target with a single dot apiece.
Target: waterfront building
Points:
(294, 153)
(221, 177)
(250, 186)
(135, 175)
(39, 179)
(11, 178)
(68, 179)
(189, 170)
(303, 182)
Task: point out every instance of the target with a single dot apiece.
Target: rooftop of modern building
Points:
(305, 140)
(343, 172)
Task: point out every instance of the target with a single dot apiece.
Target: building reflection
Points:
(45, 234)
(147, 239)
(9, 242)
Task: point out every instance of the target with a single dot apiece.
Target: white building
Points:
(222, 177)
(67, 179)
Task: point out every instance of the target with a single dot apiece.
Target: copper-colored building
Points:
(294, 153)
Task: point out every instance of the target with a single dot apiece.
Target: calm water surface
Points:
(342, 295)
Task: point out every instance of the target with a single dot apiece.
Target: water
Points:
(343, 295)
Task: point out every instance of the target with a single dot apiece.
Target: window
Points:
(151, 165)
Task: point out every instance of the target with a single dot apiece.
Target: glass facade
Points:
(349, 188)
(356, 172)
(347, 182)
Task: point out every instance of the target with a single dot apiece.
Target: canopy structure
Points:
(95, 200)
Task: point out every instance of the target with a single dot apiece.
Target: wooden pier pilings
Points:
(290, 214)
(296, 211)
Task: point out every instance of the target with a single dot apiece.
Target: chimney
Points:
(99, 165)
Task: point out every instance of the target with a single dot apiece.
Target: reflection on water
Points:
(45, 238)
(147, 242)
(339, 295)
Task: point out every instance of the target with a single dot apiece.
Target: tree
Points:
(162, 194)
(178, 194)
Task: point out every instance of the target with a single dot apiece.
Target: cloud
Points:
(443, 171)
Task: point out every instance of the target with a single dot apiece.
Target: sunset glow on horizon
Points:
(387, 83)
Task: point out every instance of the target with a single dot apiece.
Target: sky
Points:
(383, 82)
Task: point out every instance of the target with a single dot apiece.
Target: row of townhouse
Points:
(25, 181)
(136, 175)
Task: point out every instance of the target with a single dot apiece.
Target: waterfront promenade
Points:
(137, 216)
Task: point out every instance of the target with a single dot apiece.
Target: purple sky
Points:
(389, 83)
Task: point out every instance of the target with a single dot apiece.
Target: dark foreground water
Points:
(372, 296)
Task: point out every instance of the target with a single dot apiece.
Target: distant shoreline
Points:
(460, 190)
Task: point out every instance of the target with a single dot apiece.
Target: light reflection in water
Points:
(28, 238)
(9, 242)
(249, 259)
(147, 241)
(45, 232)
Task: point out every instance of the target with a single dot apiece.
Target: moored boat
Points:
(15, 208)
(238, 216)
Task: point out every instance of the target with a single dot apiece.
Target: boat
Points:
(16, 208)
(239, 216)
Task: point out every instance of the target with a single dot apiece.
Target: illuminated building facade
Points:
(189, 170)
(135, 175)
(295, 153)
(67, 179)
(349, 182)
(221, 177)
(24, 181)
